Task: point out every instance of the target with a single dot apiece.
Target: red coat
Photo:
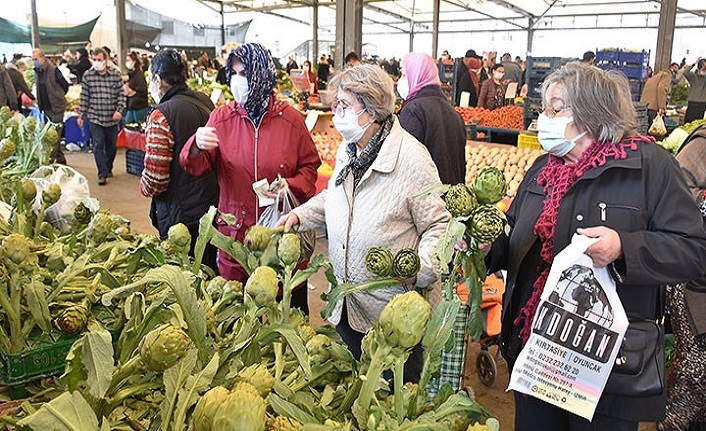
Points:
(282, 145)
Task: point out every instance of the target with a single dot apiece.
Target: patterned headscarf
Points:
(421, 71)
(261, 74)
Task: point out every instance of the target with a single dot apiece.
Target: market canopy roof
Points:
(13, 32)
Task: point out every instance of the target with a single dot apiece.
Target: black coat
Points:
(663, 241)
(430, 118)
(465, 83)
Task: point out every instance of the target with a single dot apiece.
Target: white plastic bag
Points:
(658, 128)
(284, 203)
(74, 188)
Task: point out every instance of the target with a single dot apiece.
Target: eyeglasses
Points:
(552, 112)
(339, 107)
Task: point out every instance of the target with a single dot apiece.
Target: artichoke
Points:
(180, 236)
(404, 319)
(259, 376)
(82, 214)
(486, 224)
(241, 411)
(51, 137)
(7, 149)
(257, 237)
(16, 248)
(378, 261)
(459, 200)
(306, 332)
(73, 320)
(51, 194)
(489, 185)
(406, 263)
(283, 423)
(457, 421)
(102, 226)
(240, 385)
(262, 286)
(318, 348)
(5, 114)
(163, 347)
(214, 288)
(289, 248)
(29, 190)
(206, 408)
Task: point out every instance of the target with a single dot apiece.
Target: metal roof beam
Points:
(507, 5)
(387, 12)
(470, 9)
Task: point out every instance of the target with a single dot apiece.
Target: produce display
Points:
(206, 86)
(512, 161)
(507, 117)
(678, 136)
(327, 144)
(162, 344)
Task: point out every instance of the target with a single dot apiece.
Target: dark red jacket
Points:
(280, 145)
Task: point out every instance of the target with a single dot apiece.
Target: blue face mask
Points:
(37, 64)
(551, 133)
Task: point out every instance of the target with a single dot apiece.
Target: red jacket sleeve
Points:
(203, 161)
(303, 183)
(485, 94)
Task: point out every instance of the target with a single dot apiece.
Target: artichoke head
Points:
(163, 347)
(404, 319)
(51, 137)
(241, 411)
(257, 237)
(240, 385)
(5, 113)
(214, 288)
(180, 236)
(486, 224)
(289, 248)
(29, 190)
(260, 377)
(406, 263)
(82, 214)
(262, 286)
(306, 333)
(459, 200)
(457, 421)
(489, 185)
(16, 248)
(51, 194)
(378, 261)
(206, 408)
(7, 149)
(318, 348)
(101, 227)
(73, 320)
(283, 423)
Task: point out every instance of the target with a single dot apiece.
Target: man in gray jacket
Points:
(51, 95)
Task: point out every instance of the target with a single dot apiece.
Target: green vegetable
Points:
(29, 190)
(51, 194)
(262, 286)
(82, 214)
(283, 423)
(7, 149)
(260, 377)
(378, 261)
(241, 411)
(486, 224)
(163, 347)
(306, 333)
(258, 237)
(240, 385)
(5, 114)
(406, 263)
(404, 319)
(459, 200)
(207, 406)
(289, 248)
(318, 348)
(15, 249)
(73, 320)
(489, 185)
(51, 137)
(179, 235)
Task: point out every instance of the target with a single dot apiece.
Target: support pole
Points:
(411, 36)
(122, 48)
(435, 29)
(35, 24)
(530, 37)
(665, 34)
(315, 33)
(349, 29)
(223, 27)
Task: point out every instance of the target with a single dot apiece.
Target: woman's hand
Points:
(288, 220)
(206, 138)
(279, 189)
(607, 249)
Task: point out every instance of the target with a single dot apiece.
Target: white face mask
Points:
(552, 135)
(498, 75)
(154, 92)
(99, 65)
(130, 65)
(239, 87)
(348, 125)
(403, 87)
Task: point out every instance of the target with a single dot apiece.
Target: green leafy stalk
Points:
(342, 290)
(399, 384)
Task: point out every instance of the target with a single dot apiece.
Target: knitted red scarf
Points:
(557, 178)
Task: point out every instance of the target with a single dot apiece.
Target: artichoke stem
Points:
(123, 372)
(17, 341)
(327, 368)
(287, 292)
(371, 377)
(399, 383)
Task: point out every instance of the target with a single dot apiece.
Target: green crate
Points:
(46, 359)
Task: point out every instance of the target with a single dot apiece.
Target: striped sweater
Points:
(159, 152)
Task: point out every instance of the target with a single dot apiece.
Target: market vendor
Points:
(492, 92)
(603, 180)
(370, 201)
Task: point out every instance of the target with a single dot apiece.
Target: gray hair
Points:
(98, 51)
(600, 100)
(371, 86)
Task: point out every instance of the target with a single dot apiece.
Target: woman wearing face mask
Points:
(311, 76)
(370, 200)
(697, 91)
(135, 90)
(177, 197)
(255, 137)
(429, 117)
(603, 180)
(492, 92)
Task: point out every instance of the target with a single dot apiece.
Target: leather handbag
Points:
(639, 369)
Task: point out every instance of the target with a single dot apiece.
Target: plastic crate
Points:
(134, 161)
(45, 360)
(528, 141)
(612, 56)
(542, 65)
(635, 72)
(635, 57)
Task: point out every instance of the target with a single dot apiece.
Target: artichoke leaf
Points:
(342, 290)
(194, 386)
(35, 294)
(68, 412)
(206, 230)
(315, 264)
(431, 190)
(98, 361)
(445, 247)
(475, 316)
(285, 408)
(294, 342)
(74, 372)
(174, 379)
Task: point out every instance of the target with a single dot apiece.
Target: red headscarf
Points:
(421, 71)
